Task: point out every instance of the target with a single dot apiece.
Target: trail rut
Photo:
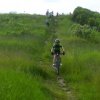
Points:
(65, 87)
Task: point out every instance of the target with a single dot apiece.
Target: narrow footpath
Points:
(65, 87)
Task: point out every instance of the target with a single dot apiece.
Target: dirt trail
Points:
(66, 88)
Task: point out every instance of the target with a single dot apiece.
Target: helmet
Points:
(57, 41)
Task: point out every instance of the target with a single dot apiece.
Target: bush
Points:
(84, 31)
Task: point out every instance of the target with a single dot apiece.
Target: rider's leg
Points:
(60, 60)
(54, 57)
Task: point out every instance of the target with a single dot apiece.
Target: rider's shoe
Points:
(53, 64)
(60, 64)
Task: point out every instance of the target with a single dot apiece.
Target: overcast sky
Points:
(40, 6)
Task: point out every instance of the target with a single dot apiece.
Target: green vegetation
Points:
(25, 67)
(26, 71)
(85, 16)
(81, 64)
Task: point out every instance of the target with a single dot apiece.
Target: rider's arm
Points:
(52, 51)
(63, 50)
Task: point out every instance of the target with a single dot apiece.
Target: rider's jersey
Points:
(56, 48)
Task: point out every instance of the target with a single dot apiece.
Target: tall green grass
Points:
(25, 62)
(16, 85)
(81, 63)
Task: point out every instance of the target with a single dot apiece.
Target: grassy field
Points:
(25, 61)
(81, 63)
(25, 67)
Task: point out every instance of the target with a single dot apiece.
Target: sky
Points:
(41, 6)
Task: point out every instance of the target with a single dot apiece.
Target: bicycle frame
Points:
(57, 62)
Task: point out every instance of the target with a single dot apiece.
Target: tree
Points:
(86, 17)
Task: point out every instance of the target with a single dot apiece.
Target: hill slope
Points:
(81, 64)
(25, 62)
(25, 67)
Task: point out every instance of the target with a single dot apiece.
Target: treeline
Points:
(87, 23)
(84, 16)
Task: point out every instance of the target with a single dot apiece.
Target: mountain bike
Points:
(57, 62)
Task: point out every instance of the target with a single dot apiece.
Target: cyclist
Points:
(57, 49)
(47, 22)
(47, 12)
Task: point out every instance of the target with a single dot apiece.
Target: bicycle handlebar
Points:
(58, 53)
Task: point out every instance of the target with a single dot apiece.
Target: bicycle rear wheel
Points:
(58, 66)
